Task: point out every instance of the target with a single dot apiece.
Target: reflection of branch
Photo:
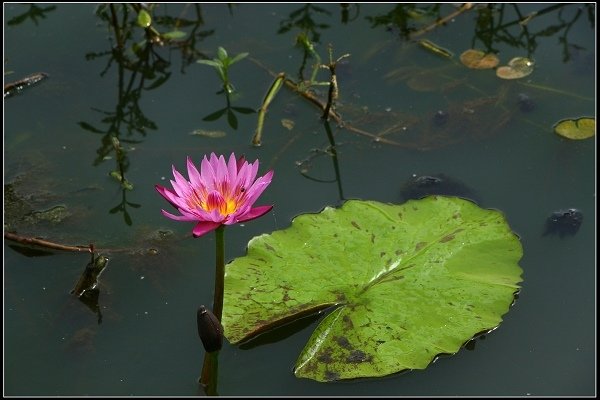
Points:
(122, 207)
(334, 158)
(33, 13)
(442, 21)
(331, 150)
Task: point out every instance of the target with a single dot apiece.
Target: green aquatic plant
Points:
(221, 64)
(401, 284)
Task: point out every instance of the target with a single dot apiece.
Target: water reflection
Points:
(32, 14)
(491, 28)
(304, 18)
(493, 21)
(140, 67)
(331, 150)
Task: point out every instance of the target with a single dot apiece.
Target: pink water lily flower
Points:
(221, 193)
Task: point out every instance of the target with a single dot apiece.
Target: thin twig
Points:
(44, 243)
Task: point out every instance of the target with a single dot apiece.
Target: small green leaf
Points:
(238, 58)
(144, 19)
(403, 283)
(576, 129)
(174, 35)
(212, 63)
(222, 55)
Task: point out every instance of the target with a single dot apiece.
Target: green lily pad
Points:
(404, 283)
(576, 129)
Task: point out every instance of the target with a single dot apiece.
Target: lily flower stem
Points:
(208, 378)
(220, 271)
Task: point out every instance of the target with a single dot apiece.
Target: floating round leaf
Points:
(402, 283)
(518, 67)
(477, 59)
(576, 129)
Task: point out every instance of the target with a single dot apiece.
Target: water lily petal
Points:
(179, 217)
(203, 227)
(195, 178)
(208, 174)
(255, 213)
(168, 194)
(233, 169)
(258, 187)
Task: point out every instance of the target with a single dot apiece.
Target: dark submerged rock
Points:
(563, 222)
(526, 103)
(440, 117)
(419, 186)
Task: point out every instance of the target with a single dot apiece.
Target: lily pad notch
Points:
(406, 283)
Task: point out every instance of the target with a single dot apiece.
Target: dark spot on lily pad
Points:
(563, 222)
(325, 357)
(343, 342)
(358, 356)
(331, 376)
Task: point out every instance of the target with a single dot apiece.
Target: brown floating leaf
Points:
(518, 67)
(288, 124)
(477, 59)
(576, 129)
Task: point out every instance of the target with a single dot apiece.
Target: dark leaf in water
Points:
(563, 222)
(214, 116)
(424, 185)
(244, 110)
(526, 104)
(89, 127)
(232, 119)
(127, 218)
(159, 81)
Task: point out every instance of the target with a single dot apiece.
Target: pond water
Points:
(407, 111)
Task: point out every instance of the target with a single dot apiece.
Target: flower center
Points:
(216, 201)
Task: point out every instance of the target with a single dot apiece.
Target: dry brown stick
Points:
(44, 243)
